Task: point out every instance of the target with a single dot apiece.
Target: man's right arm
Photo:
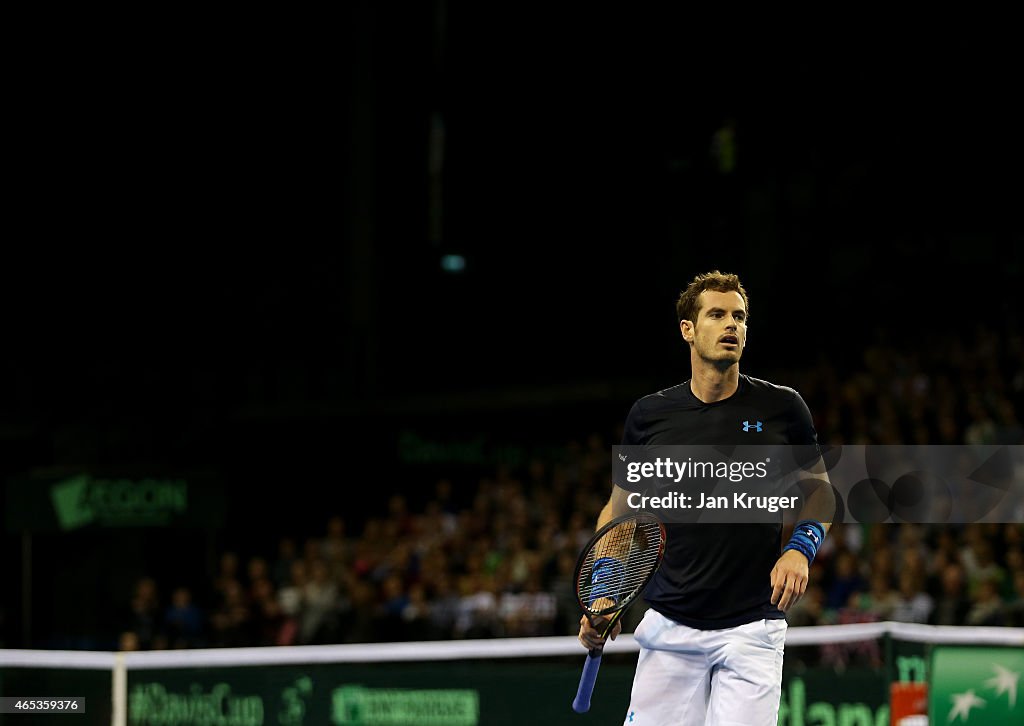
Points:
(590, 632)
(617, 506)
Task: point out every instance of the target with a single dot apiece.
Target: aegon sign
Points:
(86, 500)
(82, 500)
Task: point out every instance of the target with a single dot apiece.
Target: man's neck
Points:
(711, 384)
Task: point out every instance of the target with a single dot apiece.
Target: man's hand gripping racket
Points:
(613, 569)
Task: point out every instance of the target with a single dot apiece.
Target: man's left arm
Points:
(790, 574)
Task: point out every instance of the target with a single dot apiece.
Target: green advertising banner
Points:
(976, 686)
(463, 693)
(907, 661)
(856, 697)
(80, 501)
(394, 706)
(452, 693)
(441, 693)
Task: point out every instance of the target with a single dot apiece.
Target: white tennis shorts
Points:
(689, 677)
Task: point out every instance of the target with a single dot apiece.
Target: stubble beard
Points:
(723, 361)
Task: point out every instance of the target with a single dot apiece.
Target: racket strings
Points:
(636, 547)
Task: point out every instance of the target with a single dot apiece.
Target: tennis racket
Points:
(613, 569)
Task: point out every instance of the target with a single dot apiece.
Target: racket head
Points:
(637, 541)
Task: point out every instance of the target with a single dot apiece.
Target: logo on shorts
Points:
(756, 426)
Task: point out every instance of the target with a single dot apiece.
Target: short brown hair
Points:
(687, 304)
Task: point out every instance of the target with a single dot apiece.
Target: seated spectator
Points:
(361, 623)
(478, 606)
(128, 642)
(844, 655)
(286, 555)
(318, 621)
(527, 613)
(183, 621)
(415, 615)
(392, 609)
(982, 567)
(1014, 564)
(444, 607)
(143, 615)
(290, 596)
(880, 600)
(1015, 607)
(231, 621)
(846, 582)
(951, 605)
(226, 576)
(913, 605)
(334, 548)
(267, 615)
(987, 606)
(257, 570)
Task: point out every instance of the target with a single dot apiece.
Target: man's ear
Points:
(686, 328)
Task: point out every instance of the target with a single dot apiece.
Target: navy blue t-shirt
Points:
(718, 575)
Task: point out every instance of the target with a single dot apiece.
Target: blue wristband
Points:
(606, 577)
(808, 535)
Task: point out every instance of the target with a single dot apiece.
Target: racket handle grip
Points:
(581, 704)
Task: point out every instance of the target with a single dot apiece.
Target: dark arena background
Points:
(322, 337)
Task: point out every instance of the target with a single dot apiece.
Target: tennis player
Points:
(712, 640)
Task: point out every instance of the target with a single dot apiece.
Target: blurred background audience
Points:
(499, 562)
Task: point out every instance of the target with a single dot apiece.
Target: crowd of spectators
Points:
(499, 560)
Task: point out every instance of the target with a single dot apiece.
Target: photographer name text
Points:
(676, 500)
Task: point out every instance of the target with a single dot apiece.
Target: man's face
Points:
(720, 330)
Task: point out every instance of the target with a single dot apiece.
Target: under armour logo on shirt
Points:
(756, 426)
